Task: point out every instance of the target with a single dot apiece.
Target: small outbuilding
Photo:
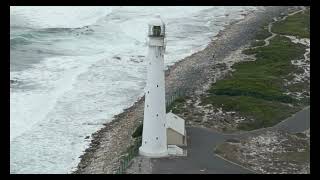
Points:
(176, 131)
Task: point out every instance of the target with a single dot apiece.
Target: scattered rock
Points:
(233, 140)
(271, 152)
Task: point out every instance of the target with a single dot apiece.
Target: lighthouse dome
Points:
(156, 27)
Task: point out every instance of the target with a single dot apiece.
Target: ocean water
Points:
(73, 68)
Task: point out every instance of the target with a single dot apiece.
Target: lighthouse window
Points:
(148, 92)
(156, 138)
(157, 115)
(157, 86)
(156, 30)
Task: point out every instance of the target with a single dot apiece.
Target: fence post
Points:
(122, 166)
(125, 159)
(130, 154)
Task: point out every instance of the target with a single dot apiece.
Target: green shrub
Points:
(296, 25)
(257, 43)
(138, 132)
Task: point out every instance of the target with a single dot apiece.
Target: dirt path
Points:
(267, 40)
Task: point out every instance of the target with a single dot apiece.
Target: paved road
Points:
(201, 142)
(297, 123)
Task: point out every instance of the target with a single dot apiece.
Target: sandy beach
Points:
(193, 74)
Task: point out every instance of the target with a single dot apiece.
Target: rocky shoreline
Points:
(192, 74)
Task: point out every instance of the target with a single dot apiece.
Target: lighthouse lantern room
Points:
(156, 29)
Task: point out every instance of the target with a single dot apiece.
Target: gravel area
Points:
(140, 165)
(273, 152)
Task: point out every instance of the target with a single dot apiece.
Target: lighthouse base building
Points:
(176, 131)
(176, 135)
(176, 139)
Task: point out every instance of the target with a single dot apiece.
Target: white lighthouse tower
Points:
(154, 135)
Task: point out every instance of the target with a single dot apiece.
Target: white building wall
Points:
(174, 137)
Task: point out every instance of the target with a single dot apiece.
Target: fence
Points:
(133, 151)
(126, 158)
(175, 95)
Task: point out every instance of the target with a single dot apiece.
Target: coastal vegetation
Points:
(260, 89)
(262, 33)
(257, 43)
(295, 25)
(138, 131)
(176, 105)
(256, 88)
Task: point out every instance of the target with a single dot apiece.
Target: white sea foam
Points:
(102, 73)
(56, 16)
